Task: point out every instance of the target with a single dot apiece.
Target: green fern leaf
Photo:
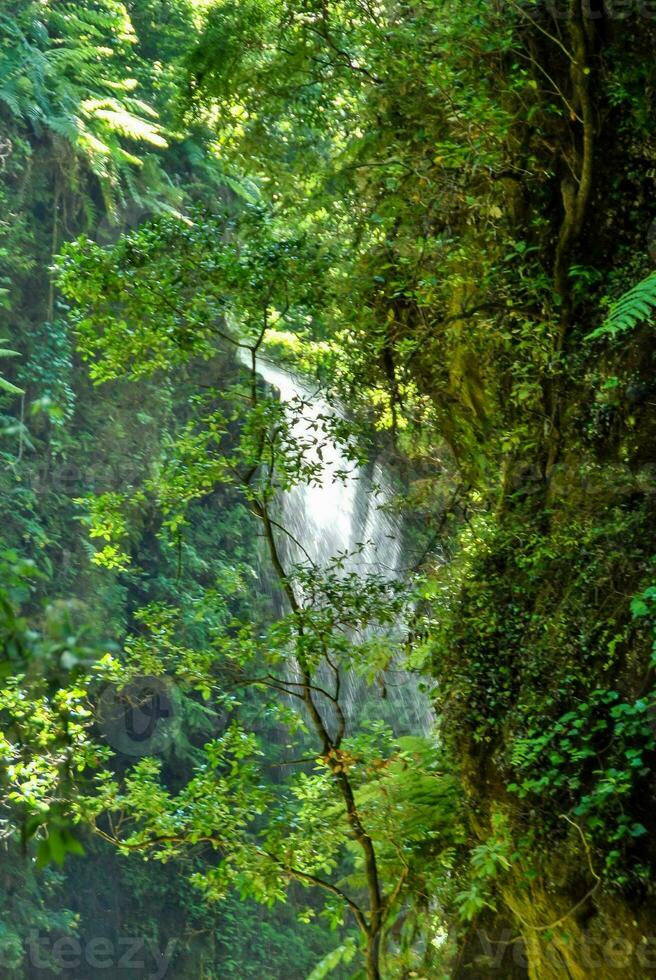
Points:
(634, 307)
(4, 384)
(9, 387)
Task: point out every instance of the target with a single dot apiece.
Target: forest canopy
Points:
(327, 592)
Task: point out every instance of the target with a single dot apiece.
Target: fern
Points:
(11, 100)
(4, 384)
(634, 307)
(66, 126)
(72, 75)
(63, 74)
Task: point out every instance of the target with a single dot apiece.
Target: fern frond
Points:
(93, 147)
(131, 127)
(122, 156)
(137, 106)
(66, 126)
(634, 307)
(11, 100)
(4, 384)
(10, 388)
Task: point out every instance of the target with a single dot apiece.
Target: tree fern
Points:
(64, 71)
(634, 307)
(72, 73)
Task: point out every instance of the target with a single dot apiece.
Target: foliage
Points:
(407, 201)
(4, 384)
(62, 74)
(488, 860)
(632, 308)
(562, 763)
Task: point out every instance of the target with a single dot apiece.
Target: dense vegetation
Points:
(438, 215)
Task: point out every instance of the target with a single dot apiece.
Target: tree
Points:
(188, 297)
(418, 215)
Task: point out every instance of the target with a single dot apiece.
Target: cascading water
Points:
(333, 515)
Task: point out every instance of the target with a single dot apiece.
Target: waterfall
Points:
(333, 515)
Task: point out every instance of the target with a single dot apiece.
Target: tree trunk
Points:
(373, 957)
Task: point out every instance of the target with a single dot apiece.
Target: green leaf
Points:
(632, 308)
(8, 386)
(639, 608)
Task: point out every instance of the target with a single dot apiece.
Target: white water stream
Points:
(331, 516)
